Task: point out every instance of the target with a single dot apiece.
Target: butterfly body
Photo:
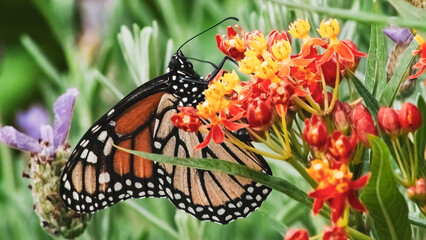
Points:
(98, 175)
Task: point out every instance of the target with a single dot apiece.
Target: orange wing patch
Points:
(77, 177)
(138, 114)
(122, 159)
(142, 167)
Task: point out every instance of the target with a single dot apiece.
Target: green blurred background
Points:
(47, 46)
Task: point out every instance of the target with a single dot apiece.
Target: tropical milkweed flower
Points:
(336, 186)
(315, 132)
(363, 123)
(330, 29)
(421, 64)
(48, 157)
(187, 119)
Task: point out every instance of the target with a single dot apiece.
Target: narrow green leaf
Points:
(385, 204)
(381, 77)
(391, 89)
(421, 136)
(370, 73)
(369, 99)
(348, 14)
(210, 164)
(407, 10)
(45, 65)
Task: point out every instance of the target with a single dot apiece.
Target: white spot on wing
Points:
(92, 158)
(108, 146)
(102, 136)
(104, 178)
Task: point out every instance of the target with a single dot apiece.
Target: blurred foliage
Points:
(47, 46)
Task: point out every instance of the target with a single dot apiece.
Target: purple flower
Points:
(29, 122)
(399, 35)
(52, 137)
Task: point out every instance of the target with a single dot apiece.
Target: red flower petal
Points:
(217, 134)
(338, 206)
(326, 56)
(345, 52)
(354, 202)
(233, 126)
(360, 182)
(205, 142)
(318, 204)
(324, 193)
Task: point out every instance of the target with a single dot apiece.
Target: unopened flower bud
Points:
(259, 114)
(334, 233)
(417, 193)
(388, 121)
(340, 116)
(187, 119)
(410, 117)
(363, 123)
(315, 132)
(293, 234)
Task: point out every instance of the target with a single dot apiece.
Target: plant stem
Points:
(416, 158)
(336, 86)
(324, 87)
(302, 171)
(356, 234)
(411, 179)
(398, 159)
(305, 106)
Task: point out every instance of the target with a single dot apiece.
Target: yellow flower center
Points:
(300, 29)
(330, 30)
(281, 50)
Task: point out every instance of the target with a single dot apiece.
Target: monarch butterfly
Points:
(98, 175)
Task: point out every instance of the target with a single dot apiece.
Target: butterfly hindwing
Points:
(97, 174)
(206, 195)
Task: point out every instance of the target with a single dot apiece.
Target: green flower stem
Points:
(313, 103)
(324, 87)
(278, 134)
(336, 86)
(355, 234)
(242, 145)
(153, 219)
(411, 179)
(416, 159)
(404, 161)
(302, 171)
(287, 140)
(398, 159)
(305, 106)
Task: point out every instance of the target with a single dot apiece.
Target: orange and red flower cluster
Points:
(278, 80)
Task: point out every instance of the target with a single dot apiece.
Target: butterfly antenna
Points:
(203, 61)
(226, 19)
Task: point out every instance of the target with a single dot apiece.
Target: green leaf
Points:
(370, 73)
(369, 99)
(387, 96)
(407, 10)
(375, 76)
(385, 204)
(421, 136)
(210, 164)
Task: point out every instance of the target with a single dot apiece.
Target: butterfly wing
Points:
(206, 195)
(97, 174)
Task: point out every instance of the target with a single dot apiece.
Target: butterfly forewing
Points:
(207, 195)
(97, 174)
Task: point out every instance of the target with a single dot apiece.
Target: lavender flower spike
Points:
(399, 35)
(15, 139)
(63, 109)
